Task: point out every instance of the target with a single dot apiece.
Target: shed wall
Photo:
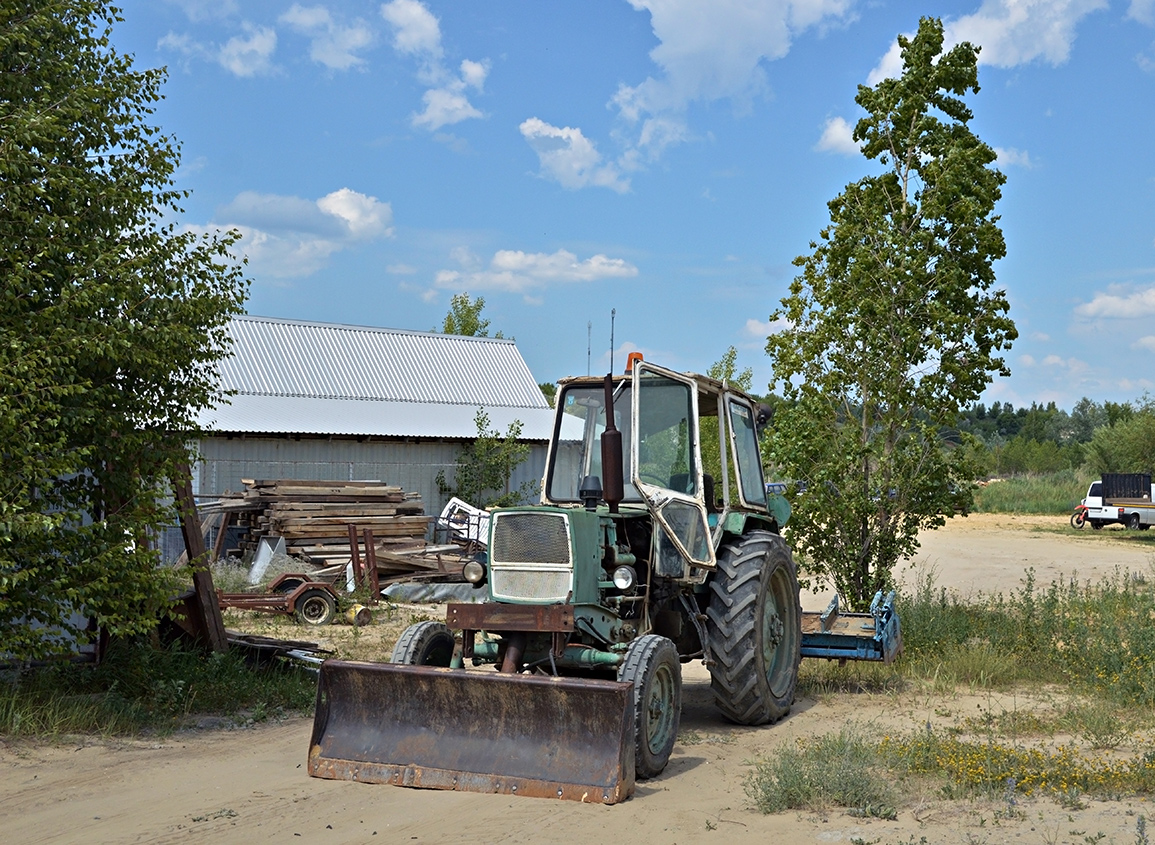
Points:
(412, 465)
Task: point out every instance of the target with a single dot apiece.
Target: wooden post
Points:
(355, 556)
(194, 543)
(371, 565)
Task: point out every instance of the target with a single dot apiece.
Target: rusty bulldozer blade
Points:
(435, 728)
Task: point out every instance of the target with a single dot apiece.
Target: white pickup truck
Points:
(1127, 498)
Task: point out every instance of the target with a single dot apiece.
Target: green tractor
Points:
(655, 543)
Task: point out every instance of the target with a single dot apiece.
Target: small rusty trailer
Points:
(292, 594)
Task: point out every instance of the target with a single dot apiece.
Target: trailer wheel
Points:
(1097, 524)
(426, 643)
(754, 622)
(316, 607)
(1133, 522)
(289, 584)
(652, 666)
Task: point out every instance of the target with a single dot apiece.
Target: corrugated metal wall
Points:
(413, 466)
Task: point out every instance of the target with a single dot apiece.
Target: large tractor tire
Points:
(652, 666)
(426, 643)
(754, 622)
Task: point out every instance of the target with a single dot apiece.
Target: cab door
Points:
(666, 468)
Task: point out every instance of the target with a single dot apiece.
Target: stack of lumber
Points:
(313, 518)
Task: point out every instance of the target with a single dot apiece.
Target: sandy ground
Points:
(250, 785)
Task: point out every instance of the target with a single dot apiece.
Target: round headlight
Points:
(625, 577)
(474, 572)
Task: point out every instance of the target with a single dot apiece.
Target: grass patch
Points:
(1049, 492)
(835, 769)
(865, 776)
(1096, 638)
(139, 688)
(993, 768)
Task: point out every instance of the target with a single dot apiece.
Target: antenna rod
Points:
(589, 342)
(613, 316)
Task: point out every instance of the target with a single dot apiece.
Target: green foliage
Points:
(1126, 446)
(485, 466)
(139, 687)
(1053, 492)
(1097, 638)
(726, 369)
(464, 317)
(549, 391)
(112, 319)
(894, 326)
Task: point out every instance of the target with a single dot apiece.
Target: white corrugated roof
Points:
(291, 376)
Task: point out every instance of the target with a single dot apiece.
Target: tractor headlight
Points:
(474, 572)
(625, 577)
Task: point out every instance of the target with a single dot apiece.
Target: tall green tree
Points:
(1128, 445)
(895, 324)
(111, 320)
(464, 317)
(485, 466)
(726, 369)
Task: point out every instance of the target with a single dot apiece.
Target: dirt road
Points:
(249, 786)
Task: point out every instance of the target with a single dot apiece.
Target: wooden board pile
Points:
(314, 517)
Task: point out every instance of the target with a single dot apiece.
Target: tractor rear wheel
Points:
(754, 622)
(426, 643)
(652, 666)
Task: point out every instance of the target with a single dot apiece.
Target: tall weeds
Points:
(142, 688)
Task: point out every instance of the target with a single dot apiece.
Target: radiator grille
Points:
(530, 538)
(534, 585)
(530, 557)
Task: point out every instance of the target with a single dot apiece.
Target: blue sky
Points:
(664, 158)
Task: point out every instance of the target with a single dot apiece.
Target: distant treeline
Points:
(1093, 437)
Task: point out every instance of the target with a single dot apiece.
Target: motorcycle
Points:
(1079, 517)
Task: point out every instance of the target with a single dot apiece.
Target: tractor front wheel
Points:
(754, 622)
(652, 666)
(426, 643)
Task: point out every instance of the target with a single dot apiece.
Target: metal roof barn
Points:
(320, 378)
(337, 402)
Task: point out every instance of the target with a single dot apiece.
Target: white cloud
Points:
(1147, 343)
(1119, 302)
(364, 216)
(1027, 360)
(448, 105)
(203, 10)
(286, 237)
(1142, 11)
(570, 158)
(763, 330)
(417, 33)
(838, 137)
(251, 54)
(1012, 32)
(712, 51)
(1010, 157)
(401, 269)
(522, 272)
(1069, 365)
(332, 45)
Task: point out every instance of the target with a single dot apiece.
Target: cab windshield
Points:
(578, 452)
